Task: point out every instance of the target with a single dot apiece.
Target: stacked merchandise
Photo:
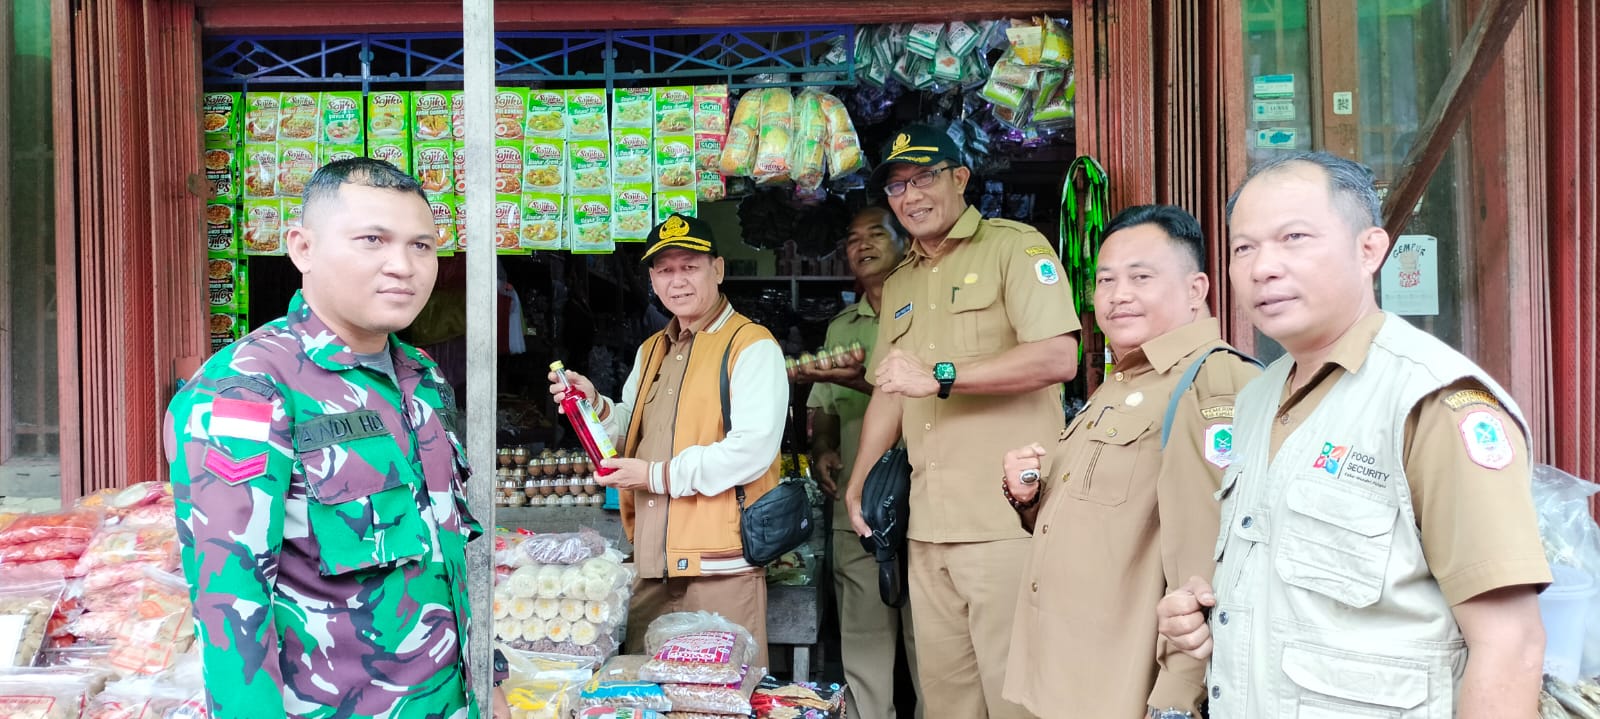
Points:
(541, 686)
(776, 137)
(932, 57)
(697, 667)
(1031, 85)
(563, 594)
(226, 279)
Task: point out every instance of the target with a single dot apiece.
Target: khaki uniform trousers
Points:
(868, 630)
(965, 596)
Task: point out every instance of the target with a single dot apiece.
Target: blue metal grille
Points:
(740, 57)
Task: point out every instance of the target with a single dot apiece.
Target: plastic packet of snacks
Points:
(674, 162)
(633, 108)
(542, 220)
(544, 165)
(221, 119)
(547, 114)
(443, 208)
(341, 118)
(674, 110)
(430, 115)
(388, 114)
(299, 117)
(631, 212)
(586, 114)
(590, 226)
(261, 116)
(711, 109)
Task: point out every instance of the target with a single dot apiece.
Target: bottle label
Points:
(591, 422)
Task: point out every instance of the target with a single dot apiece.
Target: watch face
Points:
(944, 372)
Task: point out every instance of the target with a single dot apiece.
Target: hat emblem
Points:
(674, 227)
(900, 144)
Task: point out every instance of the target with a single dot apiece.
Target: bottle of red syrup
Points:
(575, 405)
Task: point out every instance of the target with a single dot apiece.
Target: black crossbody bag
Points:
(886, 508)
(781, 520)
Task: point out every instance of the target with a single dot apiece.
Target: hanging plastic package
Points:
(739, 152)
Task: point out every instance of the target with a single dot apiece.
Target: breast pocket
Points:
(362, 507)
(976, 317)
(1114, 458)
(1336, 540)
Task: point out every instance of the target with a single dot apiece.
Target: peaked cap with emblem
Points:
(920, 145)
(682, 232)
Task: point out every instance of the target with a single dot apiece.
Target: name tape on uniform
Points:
(1469, 397)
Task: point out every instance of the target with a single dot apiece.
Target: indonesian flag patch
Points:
(240, 419)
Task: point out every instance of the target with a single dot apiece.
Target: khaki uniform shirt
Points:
(999, 286)
(1479, 530)
(856, 323)
(1120, 523)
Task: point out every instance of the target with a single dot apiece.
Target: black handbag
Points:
(780, 520)
(886, 508)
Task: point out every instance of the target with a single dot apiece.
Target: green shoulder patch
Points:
(1468, 397)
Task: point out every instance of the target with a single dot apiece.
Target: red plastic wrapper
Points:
(75, 524)
(69, 548)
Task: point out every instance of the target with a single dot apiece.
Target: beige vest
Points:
(1326, 607)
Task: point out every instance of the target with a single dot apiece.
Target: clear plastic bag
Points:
(119, 545)
(118, 502)
(697, 648)
(540, 698)
(1571, 538)
(75, 525)
(611, 712)
(618, 685)
(568, 548)
(158, 630)
(53, 693)
(739, 151)
(777, 136)
(714, 698)
(25, 611)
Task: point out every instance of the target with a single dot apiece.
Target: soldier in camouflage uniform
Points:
(318, 470)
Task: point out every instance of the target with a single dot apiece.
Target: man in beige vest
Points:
(1378, 552)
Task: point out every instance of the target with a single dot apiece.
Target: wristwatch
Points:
(946, 374)
(1170, 713)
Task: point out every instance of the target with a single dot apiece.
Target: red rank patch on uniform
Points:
(240, 419)
(233, 471)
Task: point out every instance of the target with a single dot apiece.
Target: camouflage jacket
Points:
(323, 523)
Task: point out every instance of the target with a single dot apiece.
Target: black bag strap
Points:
(1187, 380)
(727, 407)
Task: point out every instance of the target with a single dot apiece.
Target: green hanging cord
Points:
(1082, 228)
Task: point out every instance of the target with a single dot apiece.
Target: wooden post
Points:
(1479, 51)
(482, 301)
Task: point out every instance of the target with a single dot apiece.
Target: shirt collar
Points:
(677, 333)
(324, 348)
(1350, 352)
(966, 227)
(1164, 352)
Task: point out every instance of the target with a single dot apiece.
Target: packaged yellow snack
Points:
(388, 114)
(433, 164)
(674, 110)
(341, 118)
(739, 150)
(296, 162)
(263, 227)
(844, 144)
(508, 166)
(260, 172)
(444, 221)
(510, 112)
(633, 107)
(507, 223)
(541, 221)
(1027, 41)
(220, 120)
(394, 150)
(547, 113)
(711, 109)
(1057, 44)
(222, 218)
(430, 115)
(810, 141)
(261, 117)
(591, 225)
(299, 117)
(544, 165)
(674, 162)
(777, 136)
(631, 219)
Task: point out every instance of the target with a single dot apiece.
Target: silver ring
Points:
(1029, 476)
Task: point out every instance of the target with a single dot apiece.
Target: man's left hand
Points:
(631, 474)
(903, 374)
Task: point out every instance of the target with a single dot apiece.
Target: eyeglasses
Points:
(919, 181)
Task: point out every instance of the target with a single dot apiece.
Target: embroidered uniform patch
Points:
(1223, 412)
(1330, 459)
(1471, 396)
(1485, 437)
(231, 471)
(240, 419)
(903, 311)
(1037, 250)
(1046, 270)
(1219, 445)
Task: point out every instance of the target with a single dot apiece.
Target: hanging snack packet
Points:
(739, 151)
(1027, 41)
(221, 119)
(1056, 110)
(711, 187)
(507, 222)
(674, 163)
(844, 145)
(225, 327)
(777, 136)
(682, 202)
(1056, 50)
(263, 227)
(261, 116)
(430, 115)
(547, 113)
(260, 171)
(395, 151)
(458, 115)
(341, 118)
(711, 109)
(227, 284)
(541, 221)
(708, 152)
(631, 219)
(1010, 70)
(586, 115)
(221, 223)
(961, 38)
(674, 110)
(296, 162)
(923, 39)
(634, 107)
(458, 165)
(388, 114)
(461, 222)
(443, 208)
(299, 118)
(434, 166)
(507, 166)
(810, 141)
(544, 165)
(591, 225)
(510, 112)
(333, 153)
(630, 155)
(1003, 95)
(222, 171)
(590, 166)
(947, 65)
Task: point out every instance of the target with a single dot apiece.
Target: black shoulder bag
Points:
(886, 508)
(781, 520)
